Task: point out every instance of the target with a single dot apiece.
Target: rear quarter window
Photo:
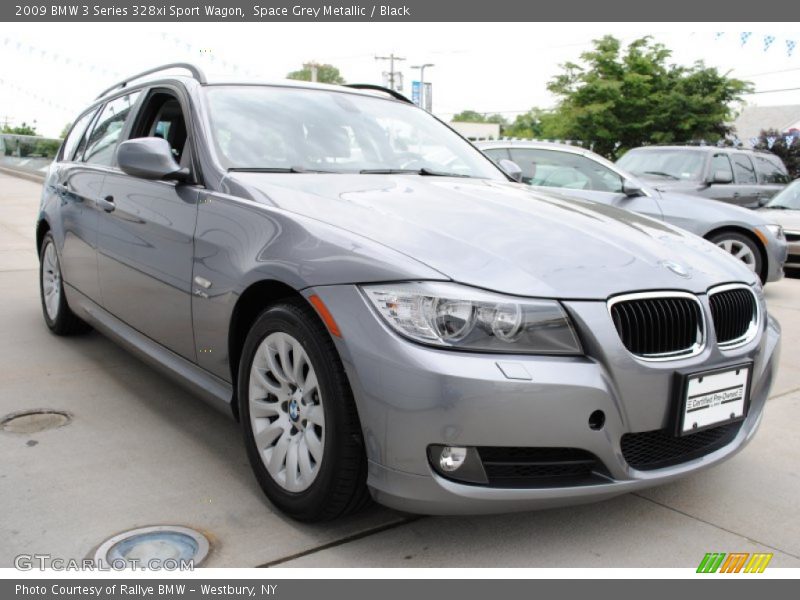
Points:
(770, 169)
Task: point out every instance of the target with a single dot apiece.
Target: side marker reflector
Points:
(325, 314)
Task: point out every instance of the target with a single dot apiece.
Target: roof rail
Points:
(379, 88)
(195, 71)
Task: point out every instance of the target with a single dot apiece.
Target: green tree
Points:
(788, 153)
(622, 98)
(325, 74)
(65, 131)
(23, 129)
(472, 116)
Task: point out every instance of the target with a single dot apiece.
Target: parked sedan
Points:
(752, 238)
(385, 312)
(785, 209)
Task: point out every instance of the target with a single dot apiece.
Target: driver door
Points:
(146, 236)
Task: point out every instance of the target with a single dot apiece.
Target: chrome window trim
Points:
(755, 324)
(694, 350)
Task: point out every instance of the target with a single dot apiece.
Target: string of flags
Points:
(205, 53)
(767, 41)
(36, 96)
(34, 51)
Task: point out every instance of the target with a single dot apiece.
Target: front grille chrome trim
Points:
(693, 350)
(755, 322)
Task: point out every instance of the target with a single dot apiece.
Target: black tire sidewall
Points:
(289, 318)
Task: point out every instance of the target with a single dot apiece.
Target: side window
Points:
(497, 154)
(743, 167)
(107, 130)
(551, 168)
(75, 135)
(162, 116)
(721, 162)
(770, 170)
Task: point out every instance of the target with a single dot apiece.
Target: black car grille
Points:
(733, 311)
(539, 467)
(659, 325)
(661, 448)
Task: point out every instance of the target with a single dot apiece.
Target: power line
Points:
(772, 91)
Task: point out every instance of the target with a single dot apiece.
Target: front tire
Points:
(743, 248)
(298, 416)
(57, 314)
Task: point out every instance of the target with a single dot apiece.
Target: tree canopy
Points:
(618, 98)
(471, 116)
(22, 129)
(325, 74)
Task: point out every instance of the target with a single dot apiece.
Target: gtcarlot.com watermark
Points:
(42, 562)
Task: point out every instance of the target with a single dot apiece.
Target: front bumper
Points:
(411, 396)
(777, 254)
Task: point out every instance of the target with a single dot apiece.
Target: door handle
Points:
(107, 204)
(736, 194)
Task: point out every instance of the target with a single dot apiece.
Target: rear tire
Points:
(299, 420)
(57, 314)
(743, 248)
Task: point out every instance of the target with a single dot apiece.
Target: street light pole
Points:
(391, 58)
(422, 81)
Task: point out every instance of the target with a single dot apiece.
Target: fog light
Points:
(452, 458)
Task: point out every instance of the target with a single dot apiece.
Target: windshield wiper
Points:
(776, 207)
(662, 174)
(278, 170)
(423, 171)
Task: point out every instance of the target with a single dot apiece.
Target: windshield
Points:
(788, 197)
(674, 164)
(295, 130)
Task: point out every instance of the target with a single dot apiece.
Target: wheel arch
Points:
(748, 233)
(251, 303)
(42, 227)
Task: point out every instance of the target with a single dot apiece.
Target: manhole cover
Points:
(161, 546)
(34, 421)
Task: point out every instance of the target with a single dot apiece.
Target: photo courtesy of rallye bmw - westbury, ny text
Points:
(417, 299)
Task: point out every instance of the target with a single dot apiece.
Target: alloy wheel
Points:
(739, 250)
(51, 281)
(286, 413)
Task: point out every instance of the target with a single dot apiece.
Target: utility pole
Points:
(313, 66)
(422, 82)
(391, 58)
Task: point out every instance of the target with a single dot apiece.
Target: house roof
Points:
(754, 119)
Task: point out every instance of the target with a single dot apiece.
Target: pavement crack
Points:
(714, 525)
(345, 540)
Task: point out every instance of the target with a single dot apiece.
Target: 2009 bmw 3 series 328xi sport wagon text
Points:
(385, 312)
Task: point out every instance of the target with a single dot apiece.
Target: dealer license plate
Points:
(714, 397)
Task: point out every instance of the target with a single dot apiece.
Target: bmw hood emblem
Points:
(677, 268)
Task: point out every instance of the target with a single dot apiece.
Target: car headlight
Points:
(459, 317)
(776, 230)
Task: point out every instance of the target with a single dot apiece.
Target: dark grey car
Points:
(737, 176)
(385, 312)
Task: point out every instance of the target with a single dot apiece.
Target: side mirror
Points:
(632, 188)
(721, 177)
(511, 169)
(149, 158)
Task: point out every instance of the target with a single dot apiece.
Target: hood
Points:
(789, 219)
(715, 211)
(669, 185)
(503, 236)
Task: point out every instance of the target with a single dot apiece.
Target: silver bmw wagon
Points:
(384, 311)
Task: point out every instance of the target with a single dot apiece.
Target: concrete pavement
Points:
(141, 451)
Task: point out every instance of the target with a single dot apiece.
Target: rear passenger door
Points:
(146, 236)
(78, 187)
(745, 191)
